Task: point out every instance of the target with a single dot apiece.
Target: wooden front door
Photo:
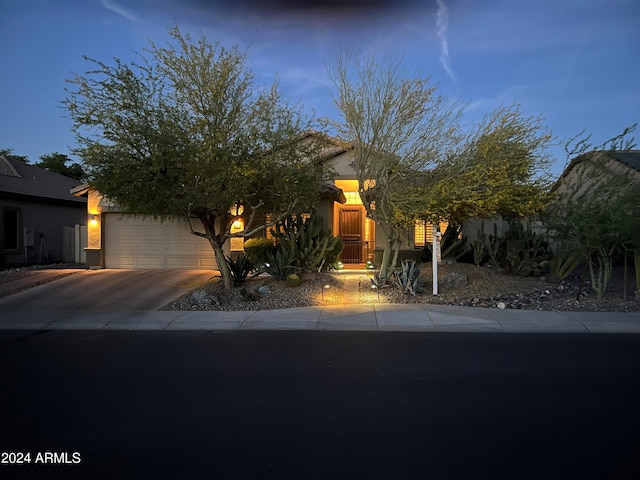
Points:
(351, 234)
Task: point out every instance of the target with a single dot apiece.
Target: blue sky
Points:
(573, 62)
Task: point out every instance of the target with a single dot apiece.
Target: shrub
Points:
(564, 261)
(257, 249)
(240, 269)
(279, 265)
(292, 280)
(521, 251)
(309, 241)
(409, 279)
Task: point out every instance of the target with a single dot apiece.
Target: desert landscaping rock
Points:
(460, 284)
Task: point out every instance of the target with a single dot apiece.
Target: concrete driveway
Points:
(105, 290)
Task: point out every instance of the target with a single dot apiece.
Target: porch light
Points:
(93, 220)
(237, 210)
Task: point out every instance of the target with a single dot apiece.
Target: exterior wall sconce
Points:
(237, 210)
(93, 220)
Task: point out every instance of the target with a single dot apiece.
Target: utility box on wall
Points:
(29, 237)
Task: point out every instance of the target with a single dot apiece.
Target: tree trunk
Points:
(209, 224)
(386, 254)
(396, 252)
(221, 261)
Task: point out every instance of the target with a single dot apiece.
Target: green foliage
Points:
(257, 249)
(396, 125)
(379, 281)
(8, 152)
(279, 264)
(57, 163)
(292, 280)
(520, 251)
(479, 246)
(596, 210)
(409, 279)
(309, 242)
(564, 261)
(503, 168)
(185, 132)
(240, 269)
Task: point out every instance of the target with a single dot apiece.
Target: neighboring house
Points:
(592, 166)
(38, 215)
(120, 240)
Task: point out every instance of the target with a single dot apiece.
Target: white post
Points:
(435, 251)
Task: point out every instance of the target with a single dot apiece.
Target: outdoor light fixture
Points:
(375, 287)
(239, 210)
(324, 287)
(93, 220)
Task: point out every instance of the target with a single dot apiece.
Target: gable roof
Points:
(630, 158)
(21, 180)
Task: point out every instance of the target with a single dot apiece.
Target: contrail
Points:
(110, 5)
(442, 21)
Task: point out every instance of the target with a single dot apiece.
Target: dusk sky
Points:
(574, 62)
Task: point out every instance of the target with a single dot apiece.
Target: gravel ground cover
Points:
(477, 286)
(459, 284)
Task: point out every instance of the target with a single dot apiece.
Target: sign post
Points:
(436, 258)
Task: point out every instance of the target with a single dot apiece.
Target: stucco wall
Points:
(47, 223)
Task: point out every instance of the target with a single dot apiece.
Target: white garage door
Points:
(136, 242)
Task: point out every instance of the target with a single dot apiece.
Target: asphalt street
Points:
(320, 405)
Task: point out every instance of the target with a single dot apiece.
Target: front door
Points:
(351, 234)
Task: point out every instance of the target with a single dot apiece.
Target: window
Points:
(423, 232)
(10, 228)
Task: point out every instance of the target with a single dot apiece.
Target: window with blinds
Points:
(423, 232)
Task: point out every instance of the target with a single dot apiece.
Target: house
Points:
(38, 215)
(591, 167)
(120, 240)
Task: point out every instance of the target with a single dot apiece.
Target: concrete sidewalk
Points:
(350, 317)
(370, 318)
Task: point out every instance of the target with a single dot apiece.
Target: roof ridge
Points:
(10, 166)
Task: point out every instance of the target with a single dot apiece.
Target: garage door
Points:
(136, 242)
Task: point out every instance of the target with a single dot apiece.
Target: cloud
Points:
(114, 7)
(442, 22)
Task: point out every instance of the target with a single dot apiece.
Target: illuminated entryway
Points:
(352, 225)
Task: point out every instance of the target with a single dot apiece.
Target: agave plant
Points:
(408, 278)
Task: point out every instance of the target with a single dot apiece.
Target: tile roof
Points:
(628, 157)
(21, 179)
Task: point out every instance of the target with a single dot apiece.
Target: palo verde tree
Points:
(397, 126)
(186, 133)
(503, 168)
